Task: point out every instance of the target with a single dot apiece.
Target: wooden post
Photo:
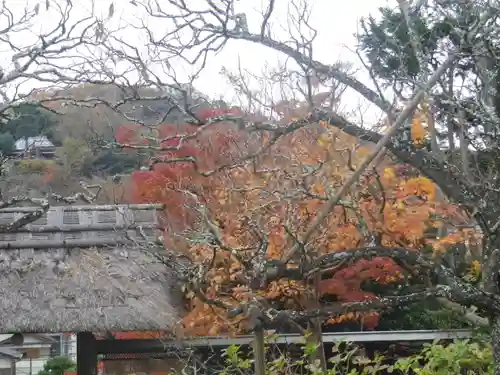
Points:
(86, 354)
(316, 337)
(259, 352)
(316, 332)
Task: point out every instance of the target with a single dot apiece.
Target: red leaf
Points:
(208, 113)
(127, 133)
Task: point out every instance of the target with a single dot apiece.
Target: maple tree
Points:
(234, 215)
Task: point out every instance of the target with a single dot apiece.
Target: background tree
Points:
(74, 157)
(6, 143)
(29, 121)
(145, 103)
(406, 44)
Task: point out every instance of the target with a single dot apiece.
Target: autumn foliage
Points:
(275, 197)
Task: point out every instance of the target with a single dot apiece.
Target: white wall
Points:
(5, 363)
(33, 366)
(30, 340)
(72, 348)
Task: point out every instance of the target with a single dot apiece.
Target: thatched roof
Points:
(75, 270)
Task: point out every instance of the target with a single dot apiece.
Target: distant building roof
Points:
(4, 337)
(10, 353)
(38, 141)
(7, 342)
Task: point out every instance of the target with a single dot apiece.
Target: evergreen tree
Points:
(404, 47)
(6, 143)
(29, 121)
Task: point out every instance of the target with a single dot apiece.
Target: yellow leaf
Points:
(476, 268)
(324, 140)
(418, 131)
(389, 173)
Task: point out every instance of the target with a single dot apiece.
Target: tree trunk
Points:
(495, 342)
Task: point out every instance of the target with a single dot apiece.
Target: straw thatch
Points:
(63, 273)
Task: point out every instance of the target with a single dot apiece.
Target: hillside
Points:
(80, 131)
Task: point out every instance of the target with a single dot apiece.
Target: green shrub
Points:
(29, 166)
(460, 357)
(57, 366)
(426, 315)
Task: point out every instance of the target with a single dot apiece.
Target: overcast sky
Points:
(335, 21)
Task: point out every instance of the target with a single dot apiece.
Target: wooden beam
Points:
(86, 354)
(69, 244)
(162, 345)
(84, 228)
(136, 346)
(103, 207)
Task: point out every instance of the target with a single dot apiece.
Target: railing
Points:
(159, 345)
